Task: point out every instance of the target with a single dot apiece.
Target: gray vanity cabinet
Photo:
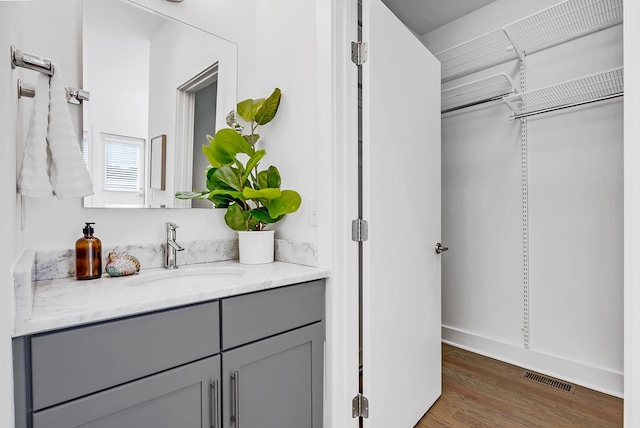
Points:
(252, 360)
(157, 370)
(273, 356)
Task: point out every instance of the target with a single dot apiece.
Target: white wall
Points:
(481, 224)
(283, 61)
(288, 140)
(575, 214)
(632, 206)
(269, 55)
(10, 32)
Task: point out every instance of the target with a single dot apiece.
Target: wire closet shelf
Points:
(480, 91)
(594, 87)
(557, 24)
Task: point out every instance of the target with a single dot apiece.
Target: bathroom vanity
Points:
(251, 357)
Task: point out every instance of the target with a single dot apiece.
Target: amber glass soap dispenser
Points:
(88, 255)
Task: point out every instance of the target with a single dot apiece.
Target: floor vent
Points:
(549, 381)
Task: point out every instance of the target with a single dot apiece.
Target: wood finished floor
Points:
(481, 392)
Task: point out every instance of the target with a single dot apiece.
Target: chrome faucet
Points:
(171, 247)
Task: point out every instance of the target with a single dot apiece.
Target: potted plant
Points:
(251, 195)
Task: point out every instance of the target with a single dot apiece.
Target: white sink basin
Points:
(188, 276)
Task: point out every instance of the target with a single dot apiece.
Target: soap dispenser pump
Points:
(88, 255)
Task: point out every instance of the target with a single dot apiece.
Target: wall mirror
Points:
(150, 76)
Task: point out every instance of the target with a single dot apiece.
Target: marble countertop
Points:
(67, 302)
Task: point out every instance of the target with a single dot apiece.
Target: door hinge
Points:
(359, 230)
(360, 406)
(359, 52)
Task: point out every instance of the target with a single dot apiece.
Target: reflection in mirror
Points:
(150, 75)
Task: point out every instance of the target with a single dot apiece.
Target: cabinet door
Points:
(184, 397)
(276, 382)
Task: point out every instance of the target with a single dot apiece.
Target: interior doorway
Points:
(204, 123)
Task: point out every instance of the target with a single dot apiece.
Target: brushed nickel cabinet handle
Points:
(235, 386)
(214, 404)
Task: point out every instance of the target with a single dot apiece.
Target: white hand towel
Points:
(33, 180)
(69, 175)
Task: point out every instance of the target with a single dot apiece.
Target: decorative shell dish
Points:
(121, 264)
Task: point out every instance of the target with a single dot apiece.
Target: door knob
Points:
(440, 248)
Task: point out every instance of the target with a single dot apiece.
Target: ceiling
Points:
(423, 16)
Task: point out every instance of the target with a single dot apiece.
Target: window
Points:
(124, 163)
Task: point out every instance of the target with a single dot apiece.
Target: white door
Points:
(401, 201)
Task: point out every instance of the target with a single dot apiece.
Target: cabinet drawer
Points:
(83, 360)
(179, 398)
(252, 317)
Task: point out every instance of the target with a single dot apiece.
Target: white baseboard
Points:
(595, 378)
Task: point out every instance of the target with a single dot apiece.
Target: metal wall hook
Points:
(74, 95)
(26, 90)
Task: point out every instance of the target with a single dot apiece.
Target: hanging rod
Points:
(571, 93)
(476, 103)
(478, 92)
(550, 109)
(74, 95)
(30, 61)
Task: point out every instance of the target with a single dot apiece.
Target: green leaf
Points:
(252, 163)
(261, 194)
(287, 203)
(269, 178)
(224, 146)
(268, 109)
(221, 201)
(237, 196)
(254, 224)
(191, 195)
(213, 182)
(262, 180)
(237, 218)
(211, 155)
(233, 142)
(262, 214)
(252, 139)
(248, 108)
(228, 176)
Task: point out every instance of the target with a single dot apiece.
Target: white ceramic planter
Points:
(256, 247)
